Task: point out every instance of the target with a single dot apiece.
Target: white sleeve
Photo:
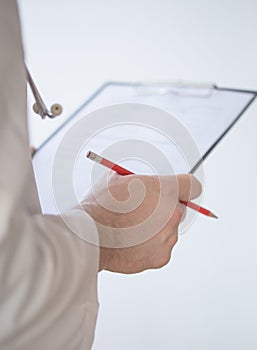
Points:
(48, 290)
(48, 284)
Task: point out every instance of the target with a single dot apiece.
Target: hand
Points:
(138, 218)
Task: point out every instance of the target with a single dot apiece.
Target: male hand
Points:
(138, 217)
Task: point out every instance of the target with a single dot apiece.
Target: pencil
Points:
(122, 171)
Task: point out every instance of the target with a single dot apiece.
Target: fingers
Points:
(189, 187)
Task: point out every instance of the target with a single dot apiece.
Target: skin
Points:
(155, 252)
(126, 201)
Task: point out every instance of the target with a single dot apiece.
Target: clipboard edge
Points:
(117, 83)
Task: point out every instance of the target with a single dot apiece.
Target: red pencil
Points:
(122, 171)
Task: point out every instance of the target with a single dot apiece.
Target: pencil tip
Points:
(213, 215)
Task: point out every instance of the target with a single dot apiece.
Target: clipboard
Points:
(206, 111)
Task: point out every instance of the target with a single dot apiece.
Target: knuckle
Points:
(174, 239)
(164, 260)
(177, 215)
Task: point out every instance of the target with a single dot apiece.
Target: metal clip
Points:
(39, 106)
(180, 88)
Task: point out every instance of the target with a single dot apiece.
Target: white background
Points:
(206, 297)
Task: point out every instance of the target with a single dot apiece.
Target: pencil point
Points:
(213, 215)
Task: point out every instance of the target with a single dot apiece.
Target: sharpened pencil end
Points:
(213, 215)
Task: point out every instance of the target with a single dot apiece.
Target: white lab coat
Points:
(48, 276)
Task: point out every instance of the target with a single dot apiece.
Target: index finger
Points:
(188, 187)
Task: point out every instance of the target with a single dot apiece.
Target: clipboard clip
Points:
(39, 106)
(179, 88)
